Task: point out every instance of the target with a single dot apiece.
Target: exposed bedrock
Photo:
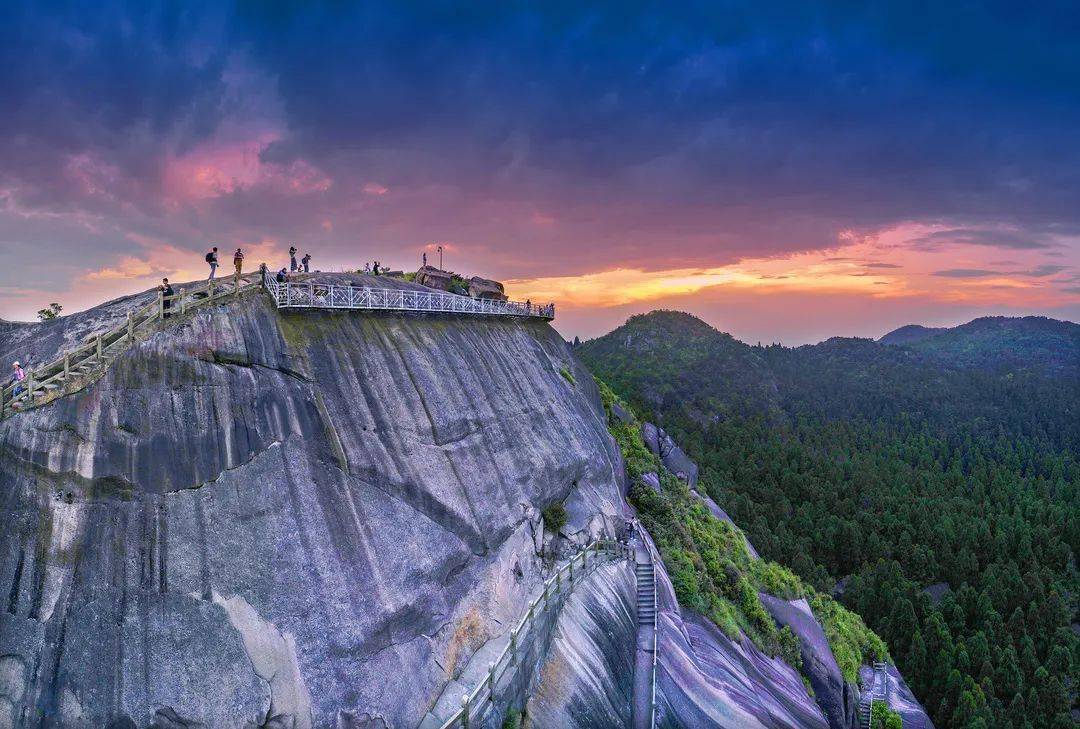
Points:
(588, 676)
(704, 678)
(256, 519)
(839, 699)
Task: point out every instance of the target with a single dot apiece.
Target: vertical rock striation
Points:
(256, 519)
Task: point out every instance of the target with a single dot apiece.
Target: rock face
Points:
(256, 517)
(485, 288)
(706, 679)
(433, 278)
(589, 674)
(838, 698)
(670, 454)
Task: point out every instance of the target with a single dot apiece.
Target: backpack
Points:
(210, 257)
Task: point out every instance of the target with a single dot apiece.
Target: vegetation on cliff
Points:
(941, 481)
(711, 569)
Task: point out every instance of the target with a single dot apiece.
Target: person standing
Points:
(167, 293)
(211, 258)
(306, 260)
(292, 258)
(17, 377)
(238, 261)
(425, 259)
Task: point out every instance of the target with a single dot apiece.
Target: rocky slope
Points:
(261, 519)
(258, 519)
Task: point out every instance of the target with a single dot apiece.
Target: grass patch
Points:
(568, 376)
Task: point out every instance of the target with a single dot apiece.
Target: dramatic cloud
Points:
(539, 143)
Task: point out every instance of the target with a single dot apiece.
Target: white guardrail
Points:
(314, 295)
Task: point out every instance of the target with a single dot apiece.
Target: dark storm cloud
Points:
(651, 134)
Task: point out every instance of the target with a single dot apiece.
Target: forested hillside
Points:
(933, 486)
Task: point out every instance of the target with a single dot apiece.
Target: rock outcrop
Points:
(838, 698)
(257, 518)
(589, 674)
(670, 454)
(485, 288)
(434, 278)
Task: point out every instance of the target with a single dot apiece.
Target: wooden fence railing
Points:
(85, 360)
(499, 673)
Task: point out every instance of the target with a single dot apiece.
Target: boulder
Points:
(671, 455)
(651, 480)
(434, 278)
(651, 435)
(485, 288)
(621, 414)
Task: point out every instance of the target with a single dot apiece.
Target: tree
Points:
(50, 313)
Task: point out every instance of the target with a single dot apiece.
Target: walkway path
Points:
(644, 697)
(76, 368)
(312, 294)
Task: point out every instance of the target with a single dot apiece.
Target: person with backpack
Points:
(211, 258)
(306, 260)
(292, 258)
(282, 276)
(238, 261)
(18, 376)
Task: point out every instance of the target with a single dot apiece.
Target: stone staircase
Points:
(878, 690)
(646, 593)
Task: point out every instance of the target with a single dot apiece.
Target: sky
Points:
(788, 172)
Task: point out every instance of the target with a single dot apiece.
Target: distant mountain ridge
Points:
(910, 334)
(997, 341)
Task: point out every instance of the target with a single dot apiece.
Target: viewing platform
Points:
(70, 368)
(323, 292)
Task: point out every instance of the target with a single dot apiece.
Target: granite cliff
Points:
(257, 518)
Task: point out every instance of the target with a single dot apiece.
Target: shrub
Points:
(789, 648)
(50, 313)
(568, 375)
(885, 717)
(554, 517)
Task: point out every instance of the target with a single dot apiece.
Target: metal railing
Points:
(314, 295)
(474, 703)
(83, 361)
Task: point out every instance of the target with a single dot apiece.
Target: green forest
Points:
(932, 487)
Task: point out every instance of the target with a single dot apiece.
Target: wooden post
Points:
(465, 711)
(161, 305)
(131, 328)
(29, 386)
(99, 348)
(210, 289)
(67, 365)
(513, 642)
(491, 682)
(572, 571)
(183, 307)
